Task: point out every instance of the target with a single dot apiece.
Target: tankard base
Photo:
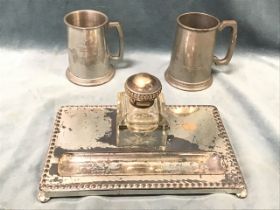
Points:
(186, 85)
(89, 82)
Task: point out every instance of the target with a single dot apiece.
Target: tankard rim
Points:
(198, 29)
(88, 11)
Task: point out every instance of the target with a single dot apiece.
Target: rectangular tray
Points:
(83, 158)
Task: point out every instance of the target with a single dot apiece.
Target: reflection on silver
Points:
(127, 164)
(89, 57)
(192, 55)
(83, 158)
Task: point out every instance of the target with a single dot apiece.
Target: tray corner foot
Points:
(42, 197)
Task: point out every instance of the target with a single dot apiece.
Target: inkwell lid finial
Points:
(142, 89)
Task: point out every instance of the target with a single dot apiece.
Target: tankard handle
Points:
(233, 25)
(118, 26)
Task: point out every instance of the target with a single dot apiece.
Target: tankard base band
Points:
(89, 82)
(187, 86)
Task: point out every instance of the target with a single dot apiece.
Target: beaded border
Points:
(233, 172)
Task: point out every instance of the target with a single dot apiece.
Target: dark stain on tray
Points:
(58, 152)
(110, 136)
(53, 169)
(181, 145)
(174, 144)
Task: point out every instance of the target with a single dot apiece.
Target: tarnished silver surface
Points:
(192, 55)
(126, 164)
(83, 158)
(88, 53)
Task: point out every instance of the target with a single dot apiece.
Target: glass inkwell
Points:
(141, 120)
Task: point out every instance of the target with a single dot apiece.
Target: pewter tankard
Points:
(88, 54)
(192, 56)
